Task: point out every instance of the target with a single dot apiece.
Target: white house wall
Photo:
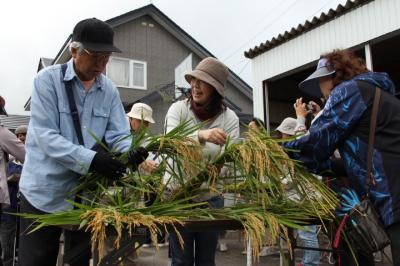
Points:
(356, 27)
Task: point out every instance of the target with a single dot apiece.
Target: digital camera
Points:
(310, 108)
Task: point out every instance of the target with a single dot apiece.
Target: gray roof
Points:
(13, 121)
(43, 62)
(305, 27)
(176, 31)
(171, 27)
(182, 36)
(46, 61)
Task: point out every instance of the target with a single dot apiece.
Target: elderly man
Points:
(69, 103)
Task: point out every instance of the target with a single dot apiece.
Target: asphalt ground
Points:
(149, 256)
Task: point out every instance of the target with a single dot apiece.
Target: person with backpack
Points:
(344, 124)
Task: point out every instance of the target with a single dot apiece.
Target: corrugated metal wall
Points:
(13, 121)
(356, 27)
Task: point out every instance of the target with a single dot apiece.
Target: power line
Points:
(243, 68)
(280, 16)
(263, 18)
(258, 33)
(246, 64)
(319, 10)
(242, 59)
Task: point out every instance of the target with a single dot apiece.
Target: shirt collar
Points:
(70, 74)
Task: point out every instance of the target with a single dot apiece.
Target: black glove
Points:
(105, 165)
(137, 156)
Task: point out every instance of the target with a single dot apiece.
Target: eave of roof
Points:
(305, 27)
(175, 30)
(182, 35)
(46, 61)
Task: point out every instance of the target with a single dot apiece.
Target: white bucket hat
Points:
(141, 111)
(287, 126)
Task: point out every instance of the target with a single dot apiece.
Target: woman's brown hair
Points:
(215, 106)
(346, 64)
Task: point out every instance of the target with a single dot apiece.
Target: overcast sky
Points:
(227, 28)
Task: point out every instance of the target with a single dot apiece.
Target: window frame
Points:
(131, 69)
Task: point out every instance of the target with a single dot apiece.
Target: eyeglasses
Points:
(98, 55)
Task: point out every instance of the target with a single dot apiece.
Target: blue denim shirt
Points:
(54, 158)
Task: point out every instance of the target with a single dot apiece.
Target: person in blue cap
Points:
(344, 124)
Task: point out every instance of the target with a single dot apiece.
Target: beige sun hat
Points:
(141, 111)
(287, 126)
(211, 71)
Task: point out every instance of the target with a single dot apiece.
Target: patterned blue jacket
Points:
(344, 125)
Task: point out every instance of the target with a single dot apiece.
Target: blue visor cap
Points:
(311, 84)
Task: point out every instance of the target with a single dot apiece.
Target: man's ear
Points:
(74, 52)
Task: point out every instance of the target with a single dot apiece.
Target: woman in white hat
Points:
(205, 105)
(287, 127)
(290, 127)
(140, 118)
(141, 115)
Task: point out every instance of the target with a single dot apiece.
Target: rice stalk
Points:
(256, 166)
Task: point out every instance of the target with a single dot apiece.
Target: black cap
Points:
(95, 35)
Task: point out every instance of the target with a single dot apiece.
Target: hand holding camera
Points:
(313, 108)
(302, 109)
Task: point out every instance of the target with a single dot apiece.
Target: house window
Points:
(127, 73)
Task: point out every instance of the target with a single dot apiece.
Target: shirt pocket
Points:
(67, 128)
(100, 118)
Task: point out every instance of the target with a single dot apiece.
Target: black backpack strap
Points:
(72, 105)
(370, 180)
(74, 114)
